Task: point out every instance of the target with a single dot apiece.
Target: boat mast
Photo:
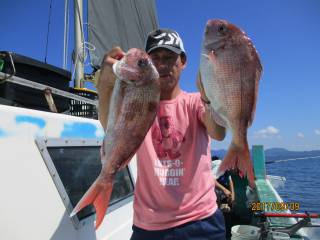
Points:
(79, 46)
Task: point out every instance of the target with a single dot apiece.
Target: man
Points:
(173, 193)
(224, 189)
(224, 186)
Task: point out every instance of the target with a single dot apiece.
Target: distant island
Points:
(275, 153)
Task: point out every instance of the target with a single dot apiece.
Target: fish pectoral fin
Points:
(218, 119)
(99, 195)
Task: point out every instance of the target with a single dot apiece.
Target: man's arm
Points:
(222, 188)
(214, 130)
(231, 188)
(105, 83)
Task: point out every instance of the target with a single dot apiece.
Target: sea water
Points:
(302, 184)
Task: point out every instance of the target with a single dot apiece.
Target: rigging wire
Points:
(87, 46)
(66, 34)
(50, 9)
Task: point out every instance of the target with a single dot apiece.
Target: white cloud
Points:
(300, 135)
(269, 131)
(317, 131)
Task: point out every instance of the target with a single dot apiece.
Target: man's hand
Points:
(226, 192)
(105, 83)
(106, 75)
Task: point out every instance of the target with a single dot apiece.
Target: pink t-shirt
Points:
(175, 182)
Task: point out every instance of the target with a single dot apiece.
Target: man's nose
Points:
(162, 64)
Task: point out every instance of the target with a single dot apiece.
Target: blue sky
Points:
(286, 34)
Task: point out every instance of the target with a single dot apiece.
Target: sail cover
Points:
(123, 23)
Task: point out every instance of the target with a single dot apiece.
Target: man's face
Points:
(169, 66)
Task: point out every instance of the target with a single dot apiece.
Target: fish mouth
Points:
(165, 74)
(205, 56)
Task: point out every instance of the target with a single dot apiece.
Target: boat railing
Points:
(276, 232)
(43, 87)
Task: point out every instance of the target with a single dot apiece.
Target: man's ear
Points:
(183, 58)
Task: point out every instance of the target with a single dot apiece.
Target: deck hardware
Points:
(50, 101)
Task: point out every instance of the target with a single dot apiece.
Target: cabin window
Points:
(77, 168)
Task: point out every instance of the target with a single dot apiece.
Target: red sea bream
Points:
(133, 107)
(230, 71)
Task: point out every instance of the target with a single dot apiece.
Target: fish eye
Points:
(132, 82)
(222, 29)
(143, 62)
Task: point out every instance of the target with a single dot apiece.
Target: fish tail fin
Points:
(99, 195)
(239, 158)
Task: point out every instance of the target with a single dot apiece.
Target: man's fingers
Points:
(113, 56)
(111, 60)
(119, 55)
(116, 52)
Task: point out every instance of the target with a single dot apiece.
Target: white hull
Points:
(31, 206)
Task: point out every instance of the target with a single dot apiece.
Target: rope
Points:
(87, 46)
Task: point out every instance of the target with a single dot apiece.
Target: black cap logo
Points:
(165, 38)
